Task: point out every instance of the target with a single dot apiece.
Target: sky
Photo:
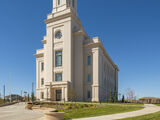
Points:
(129, 30)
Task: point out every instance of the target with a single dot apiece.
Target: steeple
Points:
(61, 5)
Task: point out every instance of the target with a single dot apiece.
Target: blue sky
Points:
(129, 29)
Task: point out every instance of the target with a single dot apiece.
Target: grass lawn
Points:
(154, 116)
(157, 104)
(103, 109)
(126, 104)
(1, 101)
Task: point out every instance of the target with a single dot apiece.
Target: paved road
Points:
(149, 108)
(18, 112)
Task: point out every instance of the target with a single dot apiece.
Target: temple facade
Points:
(71, 65)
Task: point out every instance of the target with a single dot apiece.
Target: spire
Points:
(60, 5)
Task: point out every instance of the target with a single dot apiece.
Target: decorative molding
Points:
(44, 41)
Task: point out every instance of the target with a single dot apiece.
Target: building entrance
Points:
(58, 95)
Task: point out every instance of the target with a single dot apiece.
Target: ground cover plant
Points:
(82, 110)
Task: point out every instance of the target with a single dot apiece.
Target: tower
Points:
(71, 64)
(59, 54)
(60, 5)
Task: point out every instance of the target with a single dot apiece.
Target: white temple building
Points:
(71, 64)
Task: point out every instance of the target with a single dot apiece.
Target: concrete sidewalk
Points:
(149, 108)
(18, 112)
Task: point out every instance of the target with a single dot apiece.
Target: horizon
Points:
(129, 31)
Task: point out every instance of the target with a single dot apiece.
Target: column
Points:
(66, 94)
(63, 93)
(95, 86)
(46, 94)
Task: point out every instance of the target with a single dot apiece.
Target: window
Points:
(42, 95)
(42, 66)
(89, 60)
(89, 78)
(58, 35)
(42, 81)
(89, 94)
(59, 2)
(58, 58)
(58, 77)
(73, 3)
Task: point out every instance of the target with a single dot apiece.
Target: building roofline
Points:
(98, 43)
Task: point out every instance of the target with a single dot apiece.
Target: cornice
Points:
(99, 44)
(39, 55)
(44, 41)
(63, 16)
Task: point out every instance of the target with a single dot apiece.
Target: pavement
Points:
(149, 108)
(18, 112)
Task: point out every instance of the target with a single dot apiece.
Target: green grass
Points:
(1, 101)
(127, 103)
(103, 109)
(110, 103)
(157, 104)
(154, 116)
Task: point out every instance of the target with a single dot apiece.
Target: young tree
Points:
(115, 96)
(111, 97)
(123, 99)
(130, 94)
(28, 98)
(32, 97)
(72, 95)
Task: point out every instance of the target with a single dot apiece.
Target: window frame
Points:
(89, 61)
(73, 3)
(58, 2)
(89, 78)
(56, 61)
(42, 83)
(42, 66)
(56, 77)
(42, 95)
(89, 94)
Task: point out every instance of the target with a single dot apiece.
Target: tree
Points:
(32, 97)
(123, 99)
(130, 94)
(115, 96)
(111, 97)
(28, 98)
(72, 94)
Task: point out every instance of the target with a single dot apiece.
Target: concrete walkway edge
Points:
(149, 108)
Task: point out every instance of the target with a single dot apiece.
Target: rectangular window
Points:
(58, 77)
(73, 3)
(42, 95)
(89, 60)
(42, 66)
(89, 94)
(59, 2)
(89, 78)
(58, 58)
(42, 81)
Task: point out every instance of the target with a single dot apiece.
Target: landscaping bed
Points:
(6, 104)
(82, 110)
